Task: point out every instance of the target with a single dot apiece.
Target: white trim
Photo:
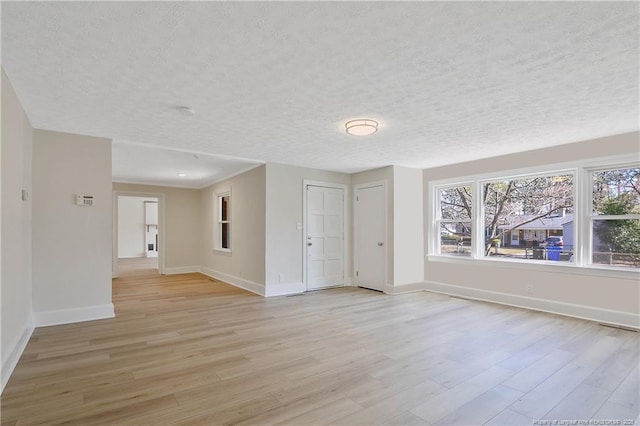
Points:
(284, 289)
(404, 288)
(181, 270)
(161, 227)
(234, 281)
(72, 315)
(217, 220)
(608, 316)
(345, 197)
(16, 349)
(384, 184)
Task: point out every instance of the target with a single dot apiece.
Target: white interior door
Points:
(370, 237)
(325, 237)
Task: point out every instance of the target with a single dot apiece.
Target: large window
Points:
(454, 220)
(223, 232)
(615, 219)
(586, 215)
(529, 218)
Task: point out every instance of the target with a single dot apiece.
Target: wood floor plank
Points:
(187, 349)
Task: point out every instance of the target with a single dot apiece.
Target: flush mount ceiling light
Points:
(361, 127)
(186, 111)
(182, 175)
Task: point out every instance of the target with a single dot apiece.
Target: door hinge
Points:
(357, 198)
(357, 273)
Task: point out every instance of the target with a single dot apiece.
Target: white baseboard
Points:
(68, 316)
(403, 288)
(234, 281)
(284, 289)
(592, 313)
(15, 352)
(181, 270)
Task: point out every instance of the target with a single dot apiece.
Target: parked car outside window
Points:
(552, 242)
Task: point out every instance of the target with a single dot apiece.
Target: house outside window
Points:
(524, 216)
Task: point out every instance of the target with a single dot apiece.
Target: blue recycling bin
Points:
(553, 253)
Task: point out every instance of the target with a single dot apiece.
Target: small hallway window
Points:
(223, 234)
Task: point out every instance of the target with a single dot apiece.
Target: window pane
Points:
(224, 208)
(455, 238)
(616, 192)
(529, 218)
(224, 235)
(616, 242)
(455, 203)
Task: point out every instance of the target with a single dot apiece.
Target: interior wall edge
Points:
(9, 364)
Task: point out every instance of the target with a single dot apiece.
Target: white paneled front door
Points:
(324, 237)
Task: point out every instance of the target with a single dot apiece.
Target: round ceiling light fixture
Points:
(181, 174)
(361, 127)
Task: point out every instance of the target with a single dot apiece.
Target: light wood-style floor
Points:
(188, 350)
(132, 266)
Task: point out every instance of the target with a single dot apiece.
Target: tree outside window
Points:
(454, 220)
(534, 206)
(616, 217)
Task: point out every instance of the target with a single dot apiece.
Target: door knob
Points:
(380, 244)
(309, 244)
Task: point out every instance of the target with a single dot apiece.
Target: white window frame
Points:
(439, 220)
(480, 246)
(592, 217)
(582, 172)
(217, 237)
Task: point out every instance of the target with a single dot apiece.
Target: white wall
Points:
(284, 210)
(604, 296)
(244, 266)
(182, 231)
(132, 228)
(408, 235)
(15, 231)
(71, 244)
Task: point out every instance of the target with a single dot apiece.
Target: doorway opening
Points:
(137, 234)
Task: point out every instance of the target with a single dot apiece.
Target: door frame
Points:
(114, 235)
(345, 197)
(385, 265)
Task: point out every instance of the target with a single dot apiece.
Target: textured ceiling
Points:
(448, 81)
(134, 163)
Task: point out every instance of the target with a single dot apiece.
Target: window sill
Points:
(542, 266)
(222, 251)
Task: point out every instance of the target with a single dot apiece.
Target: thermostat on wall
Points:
(84, 200)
